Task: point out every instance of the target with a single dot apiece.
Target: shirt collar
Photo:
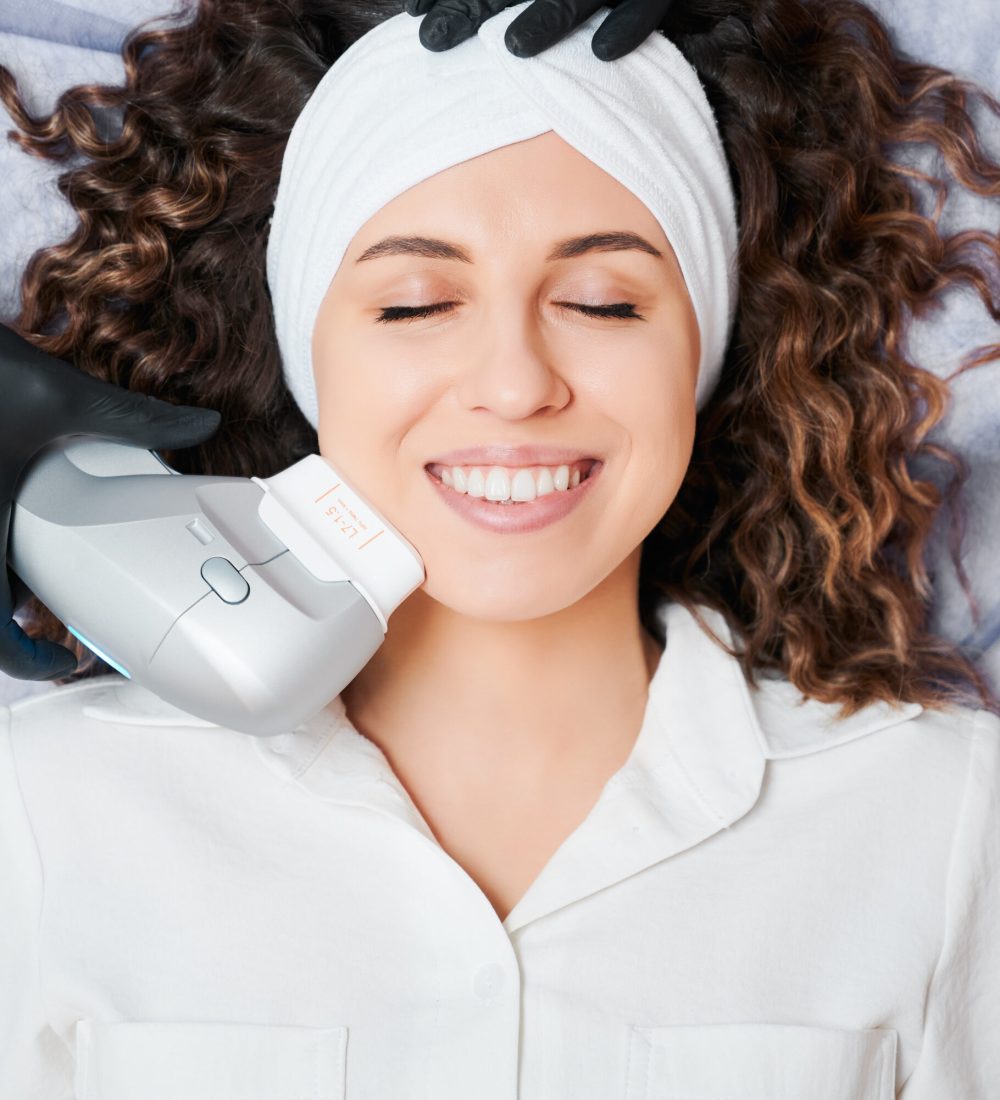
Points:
(697, 765)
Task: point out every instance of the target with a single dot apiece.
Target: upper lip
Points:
(504, 454)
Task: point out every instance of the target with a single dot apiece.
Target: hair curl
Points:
(799, 518)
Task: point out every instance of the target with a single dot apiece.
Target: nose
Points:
(511, 369)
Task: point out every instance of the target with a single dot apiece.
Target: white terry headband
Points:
(390, 113)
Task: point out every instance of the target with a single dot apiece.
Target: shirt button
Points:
(488, 981)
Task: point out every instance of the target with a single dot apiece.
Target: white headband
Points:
(390, 113)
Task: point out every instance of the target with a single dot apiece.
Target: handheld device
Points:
(247, 602)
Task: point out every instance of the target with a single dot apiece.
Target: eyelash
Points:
(623, 310)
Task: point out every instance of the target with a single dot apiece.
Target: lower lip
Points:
(515, 519)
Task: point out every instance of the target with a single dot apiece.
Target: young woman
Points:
(671, 796)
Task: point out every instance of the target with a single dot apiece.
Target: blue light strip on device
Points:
(100, 653)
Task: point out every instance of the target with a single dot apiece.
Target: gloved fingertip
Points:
(437, 34)
(192, 426)
(604, 52)
(33, 659)
(55, 659)
(58, 671)
(203, 418)
(522, 45)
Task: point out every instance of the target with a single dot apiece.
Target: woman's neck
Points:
(508, 702)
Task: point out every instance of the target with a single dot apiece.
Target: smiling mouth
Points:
(495, 485)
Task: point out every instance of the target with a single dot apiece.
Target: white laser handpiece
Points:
(247, 602)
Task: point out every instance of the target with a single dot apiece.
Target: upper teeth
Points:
(501, 483)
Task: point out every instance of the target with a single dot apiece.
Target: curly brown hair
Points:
(800, 519)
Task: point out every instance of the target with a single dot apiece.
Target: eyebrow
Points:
(432, 248)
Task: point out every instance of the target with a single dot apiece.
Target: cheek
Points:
(657, 474)
(661, 427)
(349, 411)
(347, 380)
(360, 373)
(659, 382)
(368, 403)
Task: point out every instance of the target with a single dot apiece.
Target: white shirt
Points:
(765, 903)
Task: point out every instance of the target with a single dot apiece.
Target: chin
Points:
(499, 602)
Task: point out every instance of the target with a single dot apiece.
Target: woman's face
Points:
(509, 362)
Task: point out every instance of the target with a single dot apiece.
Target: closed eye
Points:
(624, 310)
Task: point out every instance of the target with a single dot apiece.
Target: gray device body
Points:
(180, 583)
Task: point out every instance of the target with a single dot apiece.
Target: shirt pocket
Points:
(761, 1062)
(181, 1060)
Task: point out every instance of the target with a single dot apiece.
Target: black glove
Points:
(43, 400)
(541, 25)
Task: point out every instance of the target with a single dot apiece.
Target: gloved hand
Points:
(541, 25)
(43, 400)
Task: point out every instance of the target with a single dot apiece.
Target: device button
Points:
(225, 579)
